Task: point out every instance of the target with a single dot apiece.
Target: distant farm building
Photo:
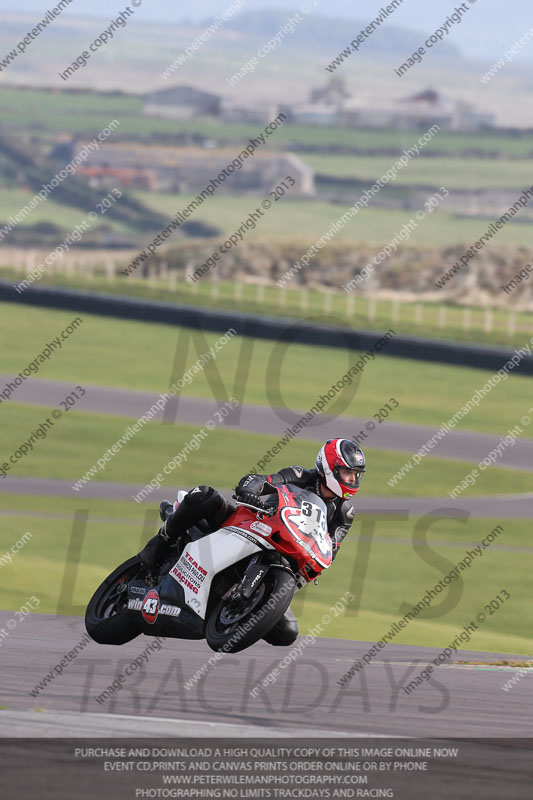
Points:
(186, 102)
(187, 170)
(333, 104)
(316, 114)
(181, 102)
(421, 110)
(334, 93)
(129, 178)
(259, 114)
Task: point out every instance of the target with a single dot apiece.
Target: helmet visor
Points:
(349, 478)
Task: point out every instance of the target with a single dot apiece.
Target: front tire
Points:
(231, 629)
(107, 619)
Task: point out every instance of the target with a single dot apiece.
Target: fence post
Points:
(418, 314)
(304, 299)
(442, 316)
(350, 305)
(260, 293)
(372, 307)
(511, 324)
(488, 321)
(466, 319)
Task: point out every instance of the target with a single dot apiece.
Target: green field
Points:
(395, 575)
(64, 216)
(310, 219)
(428, 394)
(297, 219)
(453, 173)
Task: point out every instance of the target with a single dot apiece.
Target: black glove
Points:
(250, 484)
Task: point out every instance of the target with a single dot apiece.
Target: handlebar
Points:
(253, 501)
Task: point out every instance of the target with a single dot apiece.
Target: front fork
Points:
(255, 573)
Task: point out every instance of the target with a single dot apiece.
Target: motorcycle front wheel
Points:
(232, 626)
(107, 619)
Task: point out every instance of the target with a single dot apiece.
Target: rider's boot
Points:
(285, 632)
(153, 553)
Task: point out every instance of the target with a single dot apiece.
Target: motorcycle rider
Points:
(337, 476)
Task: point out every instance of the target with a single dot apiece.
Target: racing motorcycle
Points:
(230, 587)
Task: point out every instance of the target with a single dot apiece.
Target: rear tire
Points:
(107, 619)
(230, 631)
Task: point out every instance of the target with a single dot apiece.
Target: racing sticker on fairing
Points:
(188, 572)
(150, 606)
(260, 527)
(166, 609)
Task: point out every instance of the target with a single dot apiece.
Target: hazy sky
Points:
(490, 27)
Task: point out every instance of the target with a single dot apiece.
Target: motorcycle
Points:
(230, 587)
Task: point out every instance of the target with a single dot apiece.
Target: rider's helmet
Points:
(341, 464)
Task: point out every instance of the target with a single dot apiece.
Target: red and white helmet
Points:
(337, 454)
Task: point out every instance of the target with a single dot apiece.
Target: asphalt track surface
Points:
(461, 701)
(498, 507)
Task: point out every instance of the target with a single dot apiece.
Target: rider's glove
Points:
(250, 484)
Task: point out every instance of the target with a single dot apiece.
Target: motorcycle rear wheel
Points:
(107, 619)
(230, 629)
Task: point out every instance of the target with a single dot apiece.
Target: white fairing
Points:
(203, 559)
